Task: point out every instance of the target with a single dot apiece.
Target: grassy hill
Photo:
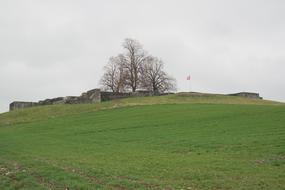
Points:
(182, 141)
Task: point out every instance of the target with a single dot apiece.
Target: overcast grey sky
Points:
(59, 47)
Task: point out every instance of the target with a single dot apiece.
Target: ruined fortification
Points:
(247, 95)
(91, 96)
(96, 95)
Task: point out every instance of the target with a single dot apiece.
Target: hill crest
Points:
(96, 95)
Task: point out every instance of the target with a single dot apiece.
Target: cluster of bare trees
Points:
(135, 69)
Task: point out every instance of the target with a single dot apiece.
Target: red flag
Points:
(188, 77)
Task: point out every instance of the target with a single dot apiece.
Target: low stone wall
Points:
(247, 95)
(21, 105)
(143, 93)
(105, 96)
(95, 95)
(91, 96)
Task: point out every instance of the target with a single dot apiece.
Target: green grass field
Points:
(168, 142)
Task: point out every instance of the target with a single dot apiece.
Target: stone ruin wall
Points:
(247, 95)
(91, 96)
(106, 96)
(96, 95)
(21, 105)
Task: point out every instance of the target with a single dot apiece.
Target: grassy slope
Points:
(183, 142)
(50, 112)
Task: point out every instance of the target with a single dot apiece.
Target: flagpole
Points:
(189, 85)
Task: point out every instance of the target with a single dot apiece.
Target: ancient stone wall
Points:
(143, 93)
(105, 96)
(95, 95)
(247, 95)
(21, 105)
(91, 96)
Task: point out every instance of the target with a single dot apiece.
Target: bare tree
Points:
(113, 78)
(132, 62)
(135, 69)
(154, 78)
